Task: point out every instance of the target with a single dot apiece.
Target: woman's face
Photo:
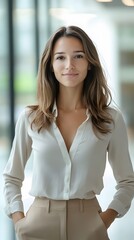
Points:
(69, 62)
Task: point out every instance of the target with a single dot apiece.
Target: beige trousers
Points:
(62, 220)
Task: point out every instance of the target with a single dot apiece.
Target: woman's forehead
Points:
(68, 44)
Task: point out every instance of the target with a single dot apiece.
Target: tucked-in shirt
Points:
(78, 173)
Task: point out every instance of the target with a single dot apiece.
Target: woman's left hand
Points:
(108, 217)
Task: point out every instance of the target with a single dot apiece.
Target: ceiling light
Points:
(104, 0)
(66, 14)
(55, 12)
(129, 3)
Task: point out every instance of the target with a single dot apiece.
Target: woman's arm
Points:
(14, 170)
(119, 159)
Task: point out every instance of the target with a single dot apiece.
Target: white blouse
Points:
(61, 174)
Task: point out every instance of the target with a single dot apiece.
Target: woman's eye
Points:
(79, 56)
(60, 58)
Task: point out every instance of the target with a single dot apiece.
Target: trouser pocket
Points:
(86, 223)
(40, 224)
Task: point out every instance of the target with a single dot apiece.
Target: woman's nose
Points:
(70, 64)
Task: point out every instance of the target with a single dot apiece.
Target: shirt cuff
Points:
(14, 207)
(118, 207)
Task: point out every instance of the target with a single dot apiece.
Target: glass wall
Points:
(111, 28)
(126, 76)
(4, 87)
(5, 225)
(24, 53)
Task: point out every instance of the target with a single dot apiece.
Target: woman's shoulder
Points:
(115, 113)
(26, 114)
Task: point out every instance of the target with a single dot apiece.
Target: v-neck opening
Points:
(76, 140)
(60, 137)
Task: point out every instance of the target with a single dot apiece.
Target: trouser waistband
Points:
(73, 204)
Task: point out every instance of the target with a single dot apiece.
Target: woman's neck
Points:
(70, 100)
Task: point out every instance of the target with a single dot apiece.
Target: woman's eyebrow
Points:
(59, 53)
(77, 51)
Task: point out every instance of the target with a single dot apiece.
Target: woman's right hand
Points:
(17, 216)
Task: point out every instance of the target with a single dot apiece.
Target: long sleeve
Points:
(119, 159)
(14, 170)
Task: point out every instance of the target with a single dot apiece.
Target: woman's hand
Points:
(108, 217)
(17, 216)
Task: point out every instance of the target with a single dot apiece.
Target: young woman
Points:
(70, 131)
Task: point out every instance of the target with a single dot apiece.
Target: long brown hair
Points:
(96, 93)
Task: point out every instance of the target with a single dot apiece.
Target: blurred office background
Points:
(25, 26)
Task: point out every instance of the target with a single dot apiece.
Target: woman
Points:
(70, 131)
